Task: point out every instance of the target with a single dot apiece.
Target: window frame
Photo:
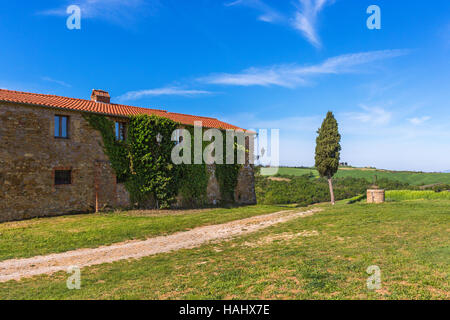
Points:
(178, 137)
(120, 131)
(60, 118)
(57, 182)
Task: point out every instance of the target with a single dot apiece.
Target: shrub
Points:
(309, 190)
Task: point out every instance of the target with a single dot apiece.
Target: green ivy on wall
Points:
(145, 165)
(227, 175)
(116, 150)
(152, 174)
(193, 180)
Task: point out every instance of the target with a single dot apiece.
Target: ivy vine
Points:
(193, 181)
(143, 163)
(116, 150)
(152, 174)
(227, 175)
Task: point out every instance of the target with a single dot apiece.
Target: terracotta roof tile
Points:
(105, 108)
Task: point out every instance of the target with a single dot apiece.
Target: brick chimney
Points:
(100, 96)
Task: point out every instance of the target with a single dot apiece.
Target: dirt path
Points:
(23, 268)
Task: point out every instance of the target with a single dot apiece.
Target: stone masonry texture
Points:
(376, 196)
(30, 154)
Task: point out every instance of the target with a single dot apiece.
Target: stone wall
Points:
(123, 197)
(29, 155)
(245, 189)
(376, 196)
(213, 190)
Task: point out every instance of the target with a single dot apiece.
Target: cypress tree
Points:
(328, 150)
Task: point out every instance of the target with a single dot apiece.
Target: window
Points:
(62, 127)
(120, 131)
(63, 177)
(178, 137)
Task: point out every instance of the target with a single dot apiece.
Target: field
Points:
(413, 178)
(324, 256)
(399, 195)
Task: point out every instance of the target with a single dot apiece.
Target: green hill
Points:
(413, 178)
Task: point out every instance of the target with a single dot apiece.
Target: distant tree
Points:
(328, 150)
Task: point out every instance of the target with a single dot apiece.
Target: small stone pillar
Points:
(376, 196)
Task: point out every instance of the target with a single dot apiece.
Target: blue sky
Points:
(256, 64)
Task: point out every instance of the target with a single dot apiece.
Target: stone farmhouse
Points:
(52, 161)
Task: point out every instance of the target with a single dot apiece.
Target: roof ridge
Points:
(79, 99)
(125, 105)
(113, 109)
(190, 115)
(33, 93)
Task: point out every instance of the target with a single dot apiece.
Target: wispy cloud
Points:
(167, 91)
(61, 83)
(117, 11)
(268, 14)
(303, 18)
(375, 135)
(293, 75)
(282, 75)
(419, 120)
(287, 124)
(373, 116)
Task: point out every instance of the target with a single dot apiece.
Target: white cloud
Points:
(374, 116)
(117, 11)
(289, 124)
(373, 139)
(167, 91)
(419, 120)
(293, 75)
(306, 19)
(283, 75)
(61, 83)
(268, 14)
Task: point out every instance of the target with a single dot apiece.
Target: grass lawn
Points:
(58, 234)
(324, 256)
(413, 178)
